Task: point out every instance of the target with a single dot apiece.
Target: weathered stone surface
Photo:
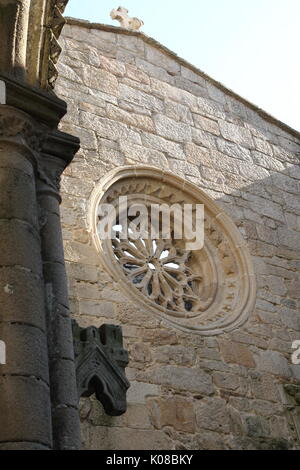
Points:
(208, 440)
(184, 168)
(171, 129)
(212, 414)
(153, 70)
(102, 437)
(178, 112)
(267, 162)
(274, 363)
(263, 146)
(159, 143)
(139, 392)
(179, 355)
(144, 155)
(105, 128)
(203, 138)
(140, 352)
(23, 344)
(207, 125)
(194, 88)
(176, 412)
(236, 134)
(157, 58)
(256, 426)
(264, 387)
(160, 336)
(97, 308)
(101, 80)
(190, 75)
(209, 108)
(135, 120)
(21, 423)
(23, 300)
(131, 43)
(22, 240)
(167, 91)
(234, 150)
(136, 74)
(226, 381)
(140, 98)
(113, 66)
(216, 94)
(197, 155)
(182, 378)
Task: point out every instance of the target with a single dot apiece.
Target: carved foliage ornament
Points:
(206, 291)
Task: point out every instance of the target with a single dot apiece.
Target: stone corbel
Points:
(100, 366)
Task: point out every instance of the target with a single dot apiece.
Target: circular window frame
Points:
(246, 275)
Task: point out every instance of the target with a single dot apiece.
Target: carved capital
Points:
(57, 152)
(18, 126)
(49, 171)
(100, 366)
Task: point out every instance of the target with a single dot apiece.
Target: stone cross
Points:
(121, 15)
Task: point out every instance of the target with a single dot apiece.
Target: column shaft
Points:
(25, 407)
(64, 396)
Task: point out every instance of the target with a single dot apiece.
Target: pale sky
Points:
(251, 46)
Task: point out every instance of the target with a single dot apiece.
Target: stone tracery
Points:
(207, 291)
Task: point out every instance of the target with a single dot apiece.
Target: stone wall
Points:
(132, 102)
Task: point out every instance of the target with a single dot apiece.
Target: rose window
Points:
(207, 290)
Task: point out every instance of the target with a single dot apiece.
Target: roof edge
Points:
(149, 40)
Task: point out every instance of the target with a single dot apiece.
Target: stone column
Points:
(25, 407)
(64, 395)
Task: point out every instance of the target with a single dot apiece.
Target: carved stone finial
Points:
(121, 15)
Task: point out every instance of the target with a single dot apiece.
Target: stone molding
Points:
(44, 107)
(227, 291)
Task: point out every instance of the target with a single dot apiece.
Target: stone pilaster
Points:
(25, 407)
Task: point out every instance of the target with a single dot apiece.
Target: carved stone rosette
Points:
(205, 291)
